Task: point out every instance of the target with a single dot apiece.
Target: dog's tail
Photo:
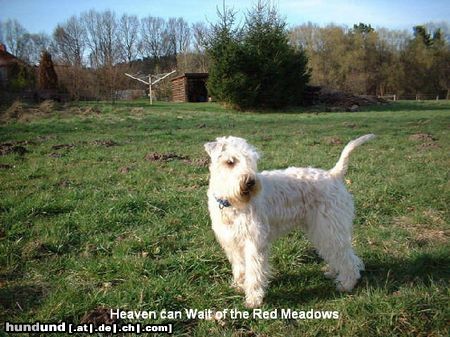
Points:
(341, 166)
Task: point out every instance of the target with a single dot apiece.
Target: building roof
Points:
(7, 58)
(191, 75)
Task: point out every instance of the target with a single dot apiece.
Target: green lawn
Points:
(92, 223)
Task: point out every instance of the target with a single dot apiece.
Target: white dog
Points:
(249, 210)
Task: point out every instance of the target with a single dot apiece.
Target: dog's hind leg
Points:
(332, 239)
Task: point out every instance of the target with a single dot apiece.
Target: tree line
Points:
(92, 51)
(363, 60)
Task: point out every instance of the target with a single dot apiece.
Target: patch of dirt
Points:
(7, 148)
(166, 157)
(422, 137)
(422, 234)
(63, 146)
(201, 162)
(266, 138)
(425, 237)
(137, 110)
(427, 141)
(349, 125)
(155, 156)
(45, 138)
(98, 316)
(36, 249)
(106, 143)
(429, 145)
(333, 140)
(55, 155)
(64, 183)
(124, 170)
(15, 147)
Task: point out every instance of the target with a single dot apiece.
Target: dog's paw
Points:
(345, 287)
(252, 302)
(329, 273)
(237, 286)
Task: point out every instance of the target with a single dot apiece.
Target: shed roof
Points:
(191, 75)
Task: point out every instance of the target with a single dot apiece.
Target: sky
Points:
(43, 15)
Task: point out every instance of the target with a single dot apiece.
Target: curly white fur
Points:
(266, 205)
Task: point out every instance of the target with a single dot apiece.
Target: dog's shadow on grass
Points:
(422, 268)
(389, 274)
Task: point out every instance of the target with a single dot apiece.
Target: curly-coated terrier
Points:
(250, 209)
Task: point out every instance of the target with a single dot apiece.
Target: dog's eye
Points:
(230, 162)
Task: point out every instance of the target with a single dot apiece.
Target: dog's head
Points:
(233, 169)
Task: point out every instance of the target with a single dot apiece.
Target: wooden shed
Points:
(190, 87)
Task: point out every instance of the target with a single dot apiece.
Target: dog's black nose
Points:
(247, 185)
(250, 183)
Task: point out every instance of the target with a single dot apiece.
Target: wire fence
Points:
(417, 97)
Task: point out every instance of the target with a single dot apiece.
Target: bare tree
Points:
(108, 37)
(129, 37)
(178, 34)
(16, 37)
(101, 32)
(91, 22)
(199, 32)
(183, 35)
(154, 39)
(37, 44)
(70, 41)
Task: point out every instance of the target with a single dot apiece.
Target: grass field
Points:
(88, 221)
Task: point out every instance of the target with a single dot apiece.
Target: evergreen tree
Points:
(420, 33)
(255, 67)
(47, 75)
(362, 28)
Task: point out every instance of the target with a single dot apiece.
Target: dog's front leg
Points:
(235, 254)
(256, 272)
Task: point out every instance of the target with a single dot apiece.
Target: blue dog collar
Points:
(223, 203)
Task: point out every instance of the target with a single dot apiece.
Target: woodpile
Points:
(339, 101)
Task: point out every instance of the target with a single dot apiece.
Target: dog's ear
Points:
(211, 147)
